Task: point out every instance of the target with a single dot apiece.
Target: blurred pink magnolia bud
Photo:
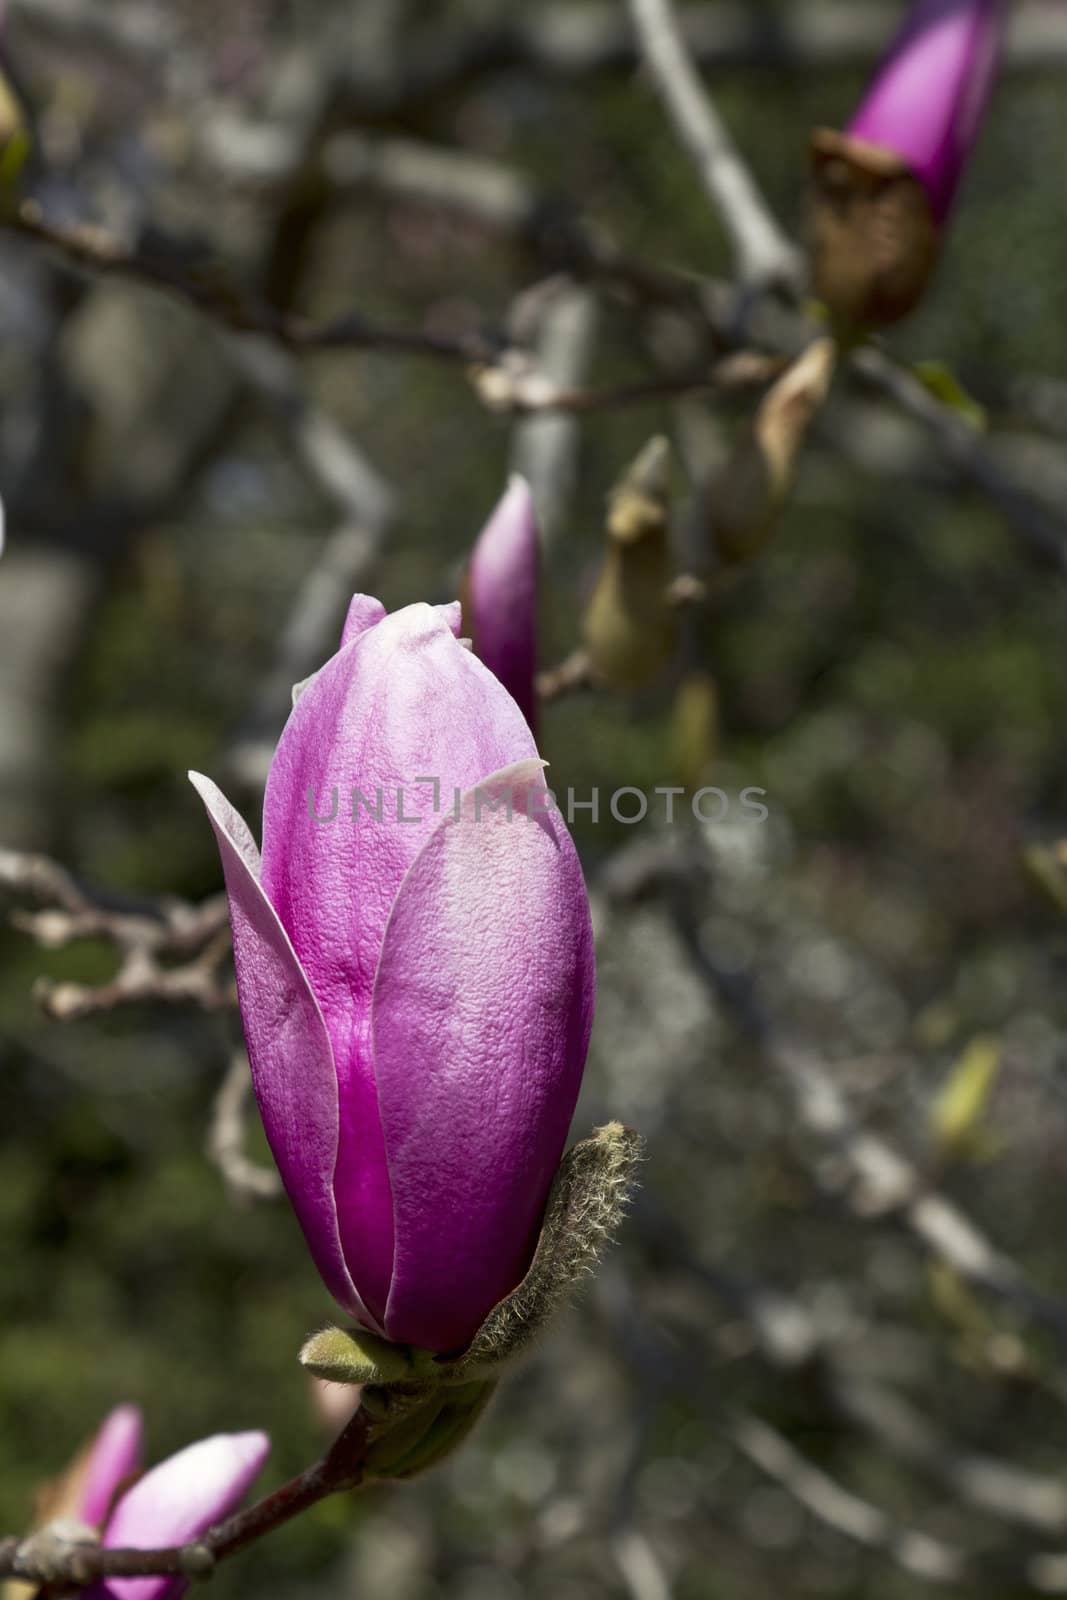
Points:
(113, 1458)
(86, 1489)
(884, 187)
(929, 96)
(499, 595)
(176, 1503)
(333, 1404)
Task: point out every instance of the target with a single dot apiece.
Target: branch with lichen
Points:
(171, 951)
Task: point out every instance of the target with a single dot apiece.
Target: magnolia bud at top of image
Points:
(884, 187)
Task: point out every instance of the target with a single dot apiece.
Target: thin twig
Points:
(226, 1137)
(146, 938)
(932, 1560)
(765, 258)
(920, 1554)
(505, 379)
(205, 286)
(965, 448)
(508, 383)
(569, 677)
(885, 1183)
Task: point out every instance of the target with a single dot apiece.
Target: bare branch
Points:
(765, 257)
(146, 939)
(203, 285)
(545, 448)
(885, 1183)
(838, 1508)
(967, 451)
(920, 1554)
(507, 380)
(569, 677)
(226, 1138)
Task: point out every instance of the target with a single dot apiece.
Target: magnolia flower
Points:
(500, 595)
(415, 975)
(886, 185)
(174, 1503)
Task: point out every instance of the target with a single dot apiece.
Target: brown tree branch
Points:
(205, 286)
(508, 384)
(765, 257)
(147, 941)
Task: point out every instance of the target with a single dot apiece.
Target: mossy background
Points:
(892, 672)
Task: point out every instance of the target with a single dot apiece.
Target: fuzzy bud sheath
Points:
(425, 1405)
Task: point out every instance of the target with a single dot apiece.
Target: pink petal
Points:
(403, 701)
(363, 612)
(114, 1456)
(178, 1501)
(927, 100)
(289, 1049)
(482, 1010)
(452, 617)
(502, 591)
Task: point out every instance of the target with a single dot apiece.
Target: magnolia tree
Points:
(411, 940)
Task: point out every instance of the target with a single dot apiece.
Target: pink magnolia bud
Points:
(884, 187)
(929, 96)
(176, 1503)
(500, 595)
(111, 1460)
(89, 1485)
(415, 975)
